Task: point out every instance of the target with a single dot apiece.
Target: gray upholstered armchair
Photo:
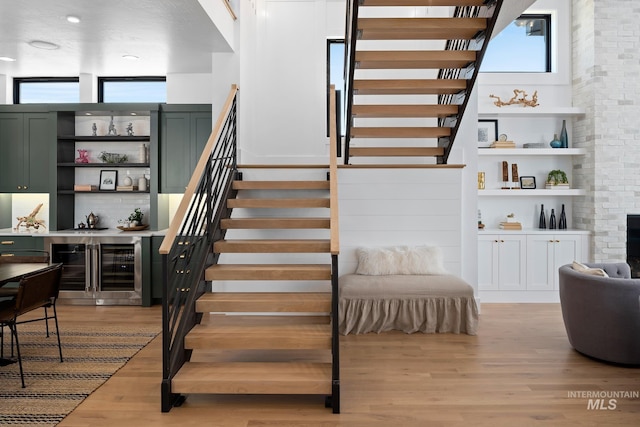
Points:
(602, 314)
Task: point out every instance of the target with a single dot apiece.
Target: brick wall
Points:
(606, 68)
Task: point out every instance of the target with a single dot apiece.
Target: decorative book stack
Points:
(503, 144)
(127, 188)
(85, 187)
(510, 225)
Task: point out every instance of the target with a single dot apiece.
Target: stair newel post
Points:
(166, 338)
(335, 338)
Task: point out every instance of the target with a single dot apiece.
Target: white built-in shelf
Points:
(531, 151)
(532, 231)
(530, 112)
(536, 192)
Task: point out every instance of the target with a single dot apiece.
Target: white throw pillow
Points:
(588, 270)
(400, 260)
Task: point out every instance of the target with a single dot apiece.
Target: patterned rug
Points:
(54, 389)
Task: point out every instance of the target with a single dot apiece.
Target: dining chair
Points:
(35, 291)
(14, 256)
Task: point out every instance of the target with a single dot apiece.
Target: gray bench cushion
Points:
(409, 303)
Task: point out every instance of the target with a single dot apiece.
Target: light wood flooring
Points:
(518, 371)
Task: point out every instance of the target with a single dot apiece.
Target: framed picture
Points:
(487, 132)
(108, 180)
(528, 182)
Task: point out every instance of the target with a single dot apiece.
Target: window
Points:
(132, 89)
(335, 75)
(524, 46)
(30, 90)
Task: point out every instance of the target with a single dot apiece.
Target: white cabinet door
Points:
(512, 262)
(540, 262)
(568, 248)
(501, 262)
(547, 253)
(488, 262)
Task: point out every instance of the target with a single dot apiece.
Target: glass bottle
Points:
(562, 224)
(564, 138)
(552, 220)
(543, 220)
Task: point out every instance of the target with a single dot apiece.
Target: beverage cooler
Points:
(98, 270)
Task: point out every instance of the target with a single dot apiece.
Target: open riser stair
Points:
(266, 340)
(411, 65)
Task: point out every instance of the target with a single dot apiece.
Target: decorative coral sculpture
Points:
(519, 98)
(30, 220)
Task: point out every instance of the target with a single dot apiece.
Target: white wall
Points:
(190, 88)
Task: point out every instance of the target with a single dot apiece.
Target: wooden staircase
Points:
(266, 342)
(400, 116)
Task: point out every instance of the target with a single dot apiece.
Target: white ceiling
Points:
(169, 36)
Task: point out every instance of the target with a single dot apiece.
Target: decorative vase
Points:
(555, 142)
(142, 184)
(562, 224)
(552, 220)
(543, 221)
(564, 138)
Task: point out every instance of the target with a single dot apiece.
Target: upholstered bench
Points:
(410, 303)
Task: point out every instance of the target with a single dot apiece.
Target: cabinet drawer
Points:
(9, 243)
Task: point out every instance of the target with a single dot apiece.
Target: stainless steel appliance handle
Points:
(87, 270)
(95, 267)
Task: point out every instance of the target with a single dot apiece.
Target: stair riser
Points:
(219, 247)
(272, 275)
(278, 203)
(222, 342)
(258, 307)
(246, 387)
(280, 185)
(277, 223)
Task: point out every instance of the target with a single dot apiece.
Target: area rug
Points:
(54, 389)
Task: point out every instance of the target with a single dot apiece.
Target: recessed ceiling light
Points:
(131, 57)
(40, 44)
(73, 19)
(7, 59)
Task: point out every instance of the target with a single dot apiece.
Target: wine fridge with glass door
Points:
(98, 270)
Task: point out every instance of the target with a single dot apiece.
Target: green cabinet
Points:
(25, 141)
(184, 131)
(10, 243)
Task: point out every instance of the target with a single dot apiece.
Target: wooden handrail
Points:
(230, 9)
(333, 174)
(181, 212)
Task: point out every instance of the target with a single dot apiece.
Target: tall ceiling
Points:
(168, 36)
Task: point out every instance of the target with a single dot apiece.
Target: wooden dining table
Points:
(13, 272)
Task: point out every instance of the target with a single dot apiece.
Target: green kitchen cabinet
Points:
(10, 243)
(184, 131)
(25, 160)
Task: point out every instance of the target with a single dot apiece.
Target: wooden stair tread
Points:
(260, 336)
(264, 302)
(268, 272)
(253, 378)
(280, 185)
(371, 110)
(278, 203)
(420, 28)
(409, 86)
(400, 132)
(413, 3)
(271, 223)
(272, 246)
(414, 59)
(395, 151)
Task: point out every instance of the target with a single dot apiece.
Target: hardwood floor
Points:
(518, 371)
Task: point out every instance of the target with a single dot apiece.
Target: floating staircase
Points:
(266, 342)
(408, 101)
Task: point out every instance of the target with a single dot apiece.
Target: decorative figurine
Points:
(112, 128)
(130, 129)
(533, 102)
(30, 220)
(94, 130)
(83, 156)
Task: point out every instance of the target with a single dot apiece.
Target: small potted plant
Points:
(557, 179)
(136, 217)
